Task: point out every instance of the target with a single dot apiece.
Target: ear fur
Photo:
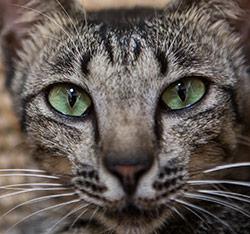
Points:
(20, 21)
(243, 27)
(20, 15)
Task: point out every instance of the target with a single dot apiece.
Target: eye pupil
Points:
(182, 91)
(72, 97)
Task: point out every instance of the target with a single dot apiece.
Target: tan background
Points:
(96, 4)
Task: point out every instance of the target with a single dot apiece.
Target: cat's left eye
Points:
(184, 93)
(69, 100)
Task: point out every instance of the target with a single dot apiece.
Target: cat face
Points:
(129, 107)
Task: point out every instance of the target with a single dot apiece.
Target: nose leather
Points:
(128, 168)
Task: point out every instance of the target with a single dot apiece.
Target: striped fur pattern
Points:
(124, 59)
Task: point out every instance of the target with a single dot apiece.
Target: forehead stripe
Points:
(86, 58)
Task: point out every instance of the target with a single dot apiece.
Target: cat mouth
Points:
(133, 214)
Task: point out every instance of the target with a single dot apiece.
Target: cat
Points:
(137, 113)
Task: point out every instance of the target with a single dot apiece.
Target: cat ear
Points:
(233, 13)
(243, 27)
(19, 21)
(11, 31)
(216, 9)
(18, 17)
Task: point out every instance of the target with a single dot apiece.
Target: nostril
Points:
(129, 176)
(128, 170)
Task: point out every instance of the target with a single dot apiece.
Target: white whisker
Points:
(21, 170)
(198, 208)
(195, 214)
(71, 20)
(29, 184)
(236, 196)
(182, 217)
(35, 200)
(77, 218)
(30, 175)
(43, 210)
(228, 166)
(66, 216)
(92, 216)
(213, 182)
(217, 201)
(31, 190)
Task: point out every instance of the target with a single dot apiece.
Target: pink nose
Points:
(128, 170)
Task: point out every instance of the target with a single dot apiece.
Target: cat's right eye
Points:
(69, 100)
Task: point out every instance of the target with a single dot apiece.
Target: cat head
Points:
(130, 107)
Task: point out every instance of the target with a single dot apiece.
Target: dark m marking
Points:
(136, 48)
(85, 64)
(105, 39)
(163, 61)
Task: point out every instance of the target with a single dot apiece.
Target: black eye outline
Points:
(165, 108)
(60, 114)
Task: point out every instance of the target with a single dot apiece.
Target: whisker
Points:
(66, 216)
(71, 20)
(21, 170)
(30, 175)
(92, 216)
(29, 184)
(244, 143)
(205, 222)
(228, 166)
(202, 210)
(175, 210)
(31, 190)
(77, 218)
(244, 137)
(217, 201)
(51, 38)
(175, 38)
(236, 196)
(231, 182)
(43, 210)
(195, 213)
(35, 200)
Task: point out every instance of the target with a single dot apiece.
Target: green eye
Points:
(184, 93)
(69, 100)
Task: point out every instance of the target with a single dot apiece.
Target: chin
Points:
(134, 221)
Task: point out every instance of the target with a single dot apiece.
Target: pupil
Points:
(72, 97)
(182, 91)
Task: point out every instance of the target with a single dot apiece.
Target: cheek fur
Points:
(57, 145)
